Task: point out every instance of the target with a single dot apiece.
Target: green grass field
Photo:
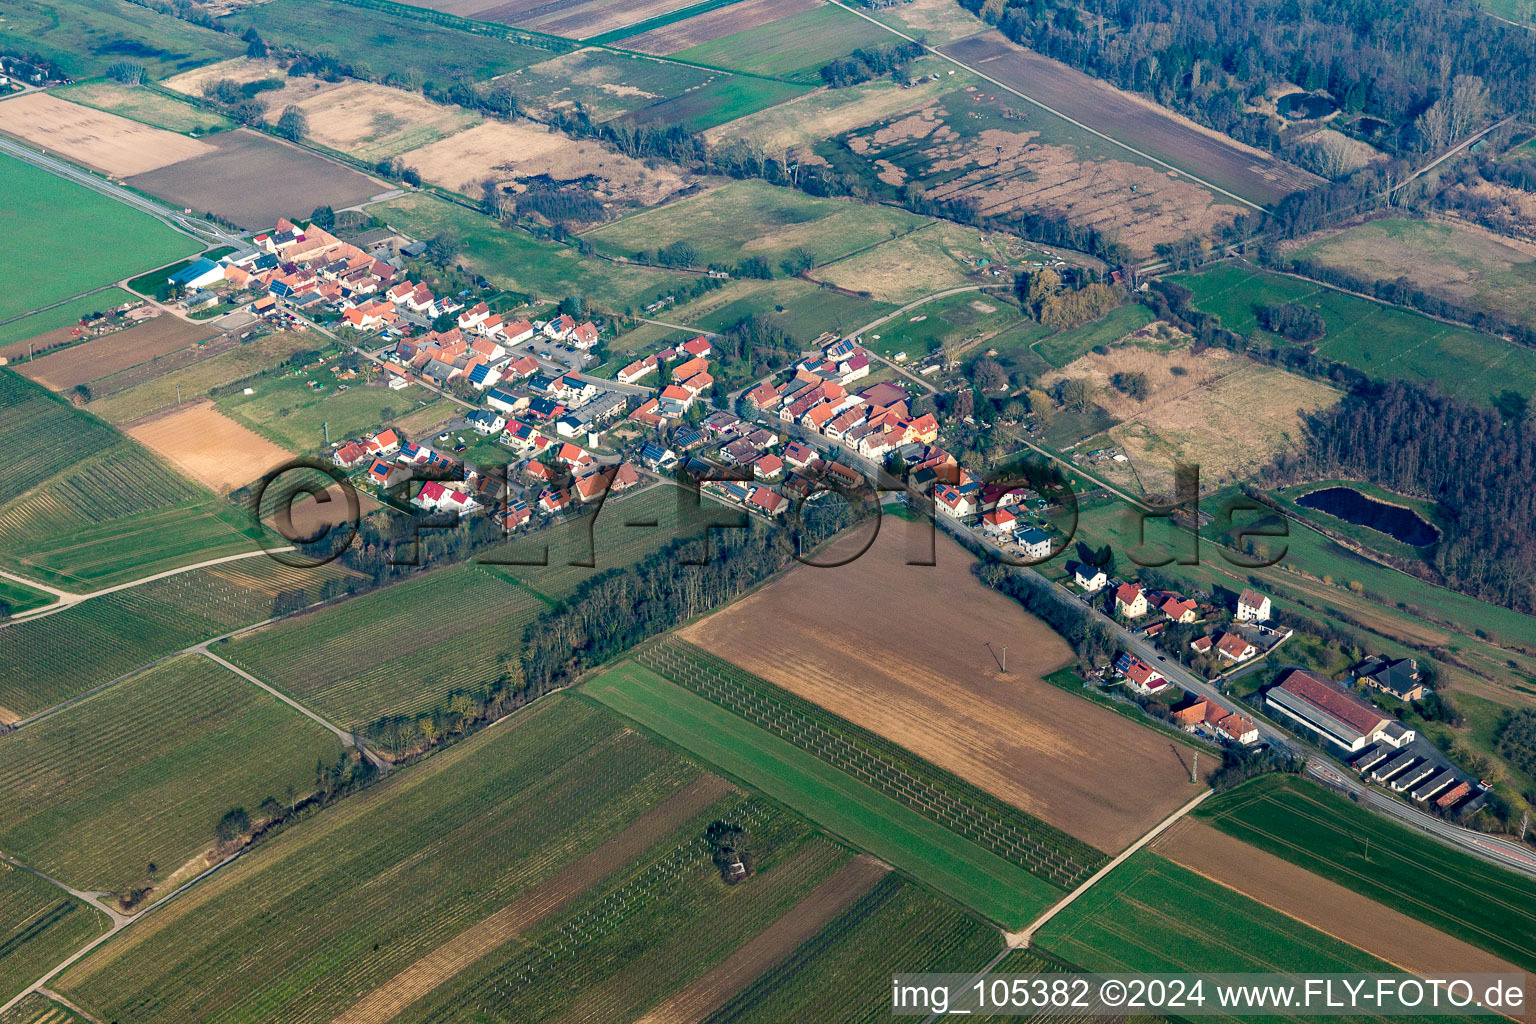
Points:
(1152, 916)
(40, 924)
(62, 315)
(141, 773)
(87, 38)
(751, 218)
(58, 656)
(605, 83)
(795, 47)
(386, 42)
(20, 598)
(723, 99)
(286, 410)
(1449, 890)
(430, 853)
(519, 262)
(951, 319)
(91, 240)
(799, 308)
(842, 974)
(961, 870)
(396, 651)
(1379, 340)
(1063, 347)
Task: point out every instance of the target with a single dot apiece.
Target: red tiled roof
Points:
(1330, 699)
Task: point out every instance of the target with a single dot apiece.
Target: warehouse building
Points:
(1341, 718)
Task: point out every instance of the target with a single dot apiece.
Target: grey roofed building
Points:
(1382, 773)
(1433, 785)
(1398, 676)
(414, 250)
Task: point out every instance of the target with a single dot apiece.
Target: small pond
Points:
(1397, 522)
(1307, 105)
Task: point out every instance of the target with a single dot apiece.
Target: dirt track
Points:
(770, 945)
(902, 650)
(1327, 906)
(453, 956)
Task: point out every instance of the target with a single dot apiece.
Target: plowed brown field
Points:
(902, 650)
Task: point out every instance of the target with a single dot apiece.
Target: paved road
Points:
(203, 230)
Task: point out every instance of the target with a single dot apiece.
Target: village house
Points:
(1398, 677)
(1252, 607)
(1234, 648)
(1089, 578)
(1139, 676)
(999, 522)
(1130, 601)
(1178, 608)
(1035, 543)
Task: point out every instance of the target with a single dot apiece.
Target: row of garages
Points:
(1423, 779)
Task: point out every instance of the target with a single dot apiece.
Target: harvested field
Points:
(362, 119)
(208, 446)
(1327, 906)
(253, 180)
(141, 104)
(1224, 413)
(514, 152)
(715, 24)
(370, 122)
(1138, 123)
(242, 70)
(860, 641)
(101, 141)
(96, 359)
(771, 945)
(387, 1001)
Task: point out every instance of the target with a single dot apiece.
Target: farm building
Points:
(1398, 677)
(1338, 717)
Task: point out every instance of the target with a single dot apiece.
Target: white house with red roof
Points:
(999, 522)
(767, 466)
(952, 503)
(1139, 676)
(1178, 608)
(638, 369)
(584, 336)
(1130, 601)
(517, 332)
(1235, 649)
(349, 455)
(560, 327)
(698, 347)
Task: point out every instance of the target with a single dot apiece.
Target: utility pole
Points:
(1005, 660)
(178, 394)
(327, 428)
(1194, 769)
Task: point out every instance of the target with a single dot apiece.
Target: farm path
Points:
(93, 899)
(68, 599)
(1030, 99)
(677, 327)
(347, 739)
(1020, 939)
(119, 922)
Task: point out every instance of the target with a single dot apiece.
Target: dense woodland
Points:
(1388, 59)
(1477, 465)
